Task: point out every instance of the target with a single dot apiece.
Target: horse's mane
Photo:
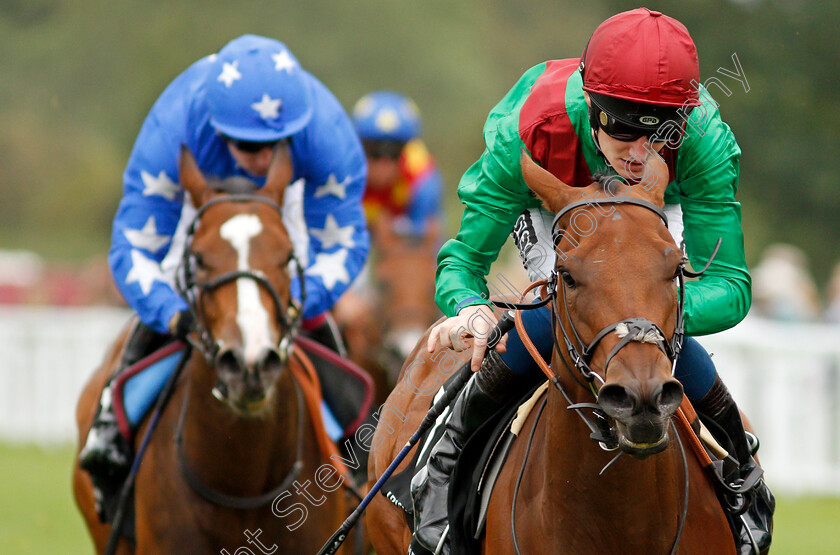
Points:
(607, 182)
(236, 185)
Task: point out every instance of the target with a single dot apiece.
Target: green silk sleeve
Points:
(494, 194)
(708, 172)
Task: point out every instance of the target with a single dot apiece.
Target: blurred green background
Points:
(77, 77)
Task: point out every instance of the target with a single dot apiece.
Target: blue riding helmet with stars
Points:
(256, 91)
(386, 116)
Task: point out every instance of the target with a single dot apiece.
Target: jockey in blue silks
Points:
(232, 110)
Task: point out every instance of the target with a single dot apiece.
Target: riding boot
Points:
(484, 393)
(720, 407)
(107, 453)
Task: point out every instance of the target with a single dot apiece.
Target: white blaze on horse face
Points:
(251, 315)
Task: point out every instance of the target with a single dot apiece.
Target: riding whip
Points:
(461, 378)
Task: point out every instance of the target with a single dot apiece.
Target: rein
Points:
(683, 511)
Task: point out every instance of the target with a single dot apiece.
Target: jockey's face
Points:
(624, 156)
(382, 172)
(383, 162)
(254, 162)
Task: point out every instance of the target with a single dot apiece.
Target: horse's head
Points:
(236, 278)
(616, 297)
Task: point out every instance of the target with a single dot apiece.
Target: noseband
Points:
(193, 291)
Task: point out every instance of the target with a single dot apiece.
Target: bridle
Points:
(632, 329)
(581, 353)
(635, 328)
(193, 291)
(638, 327)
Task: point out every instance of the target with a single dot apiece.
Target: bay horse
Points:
(236, 447)
(551, 496)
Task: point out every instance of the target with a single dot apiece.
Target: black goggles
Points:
(635, 119)
(621, 131)
(392, 150)
(252, 147)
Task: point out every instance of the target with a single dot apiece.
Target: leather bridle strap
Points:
(609, 200)
(187, 287)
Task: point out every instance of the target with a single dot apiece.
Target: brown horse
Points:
(550, 497)
(234, 455)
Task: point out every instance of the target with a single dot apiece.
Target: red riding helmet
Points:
(639, 67)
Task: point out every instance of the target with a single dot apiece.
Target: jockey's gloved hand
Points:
(182, 324)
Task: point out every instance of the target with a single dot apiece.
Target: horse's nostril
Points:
(670, 397)
(230, 362)
(616, 401)
(271, 361)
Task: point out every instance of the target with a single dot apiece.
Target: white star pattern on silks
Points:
(146, 238)
(283, 61)
(387, 120)
(331, 267)
(331, 234)
(160, 185)
(229, 73)
(268, 108)
(333, 187)
(144, 271)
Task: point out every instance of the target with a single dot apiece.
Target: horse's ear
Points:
(279, 174)
(654, 179)
(191, 177)
(553, 193)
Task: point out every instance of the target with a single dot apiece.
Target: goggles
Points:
(626, 121)
(252, 147)
(392, 150)
(621, 131)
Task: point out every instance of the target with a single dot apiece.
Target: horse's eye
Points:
(199, 260)
(568, 279)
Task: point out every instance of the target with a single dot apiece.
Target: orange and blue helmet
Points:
(256, 91)
(386, 116)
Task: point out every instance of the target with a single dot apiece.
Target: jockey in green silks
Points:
(635, 91)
